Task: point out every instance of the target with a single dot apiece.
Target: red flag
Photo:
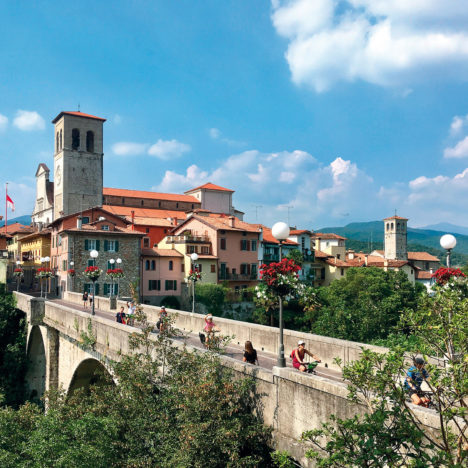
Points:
(10, 203)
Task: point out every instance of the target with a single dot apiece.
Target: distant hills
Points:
(26, 220)
(369, 236)
(448, 227)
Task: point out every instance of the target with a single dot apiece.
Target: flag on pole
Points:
(10, 203)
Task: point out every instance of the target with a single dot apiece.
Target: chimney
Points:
(351, 254)
(231, 221)
(133, 219)
(79, 222)
(366, 259)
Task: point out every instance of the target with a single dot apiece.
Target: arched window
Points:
(90, 141)
(392, 225)
(57, 147)
(61, 141)
(398, 226)
(147, 265)
(75, 139)
(153, 264)
(171, 265)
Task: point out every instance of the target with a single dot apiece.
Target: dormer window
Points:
(105, 227)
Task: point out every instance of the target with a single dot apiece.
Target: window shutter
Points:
(98, 243)
(116, 246)
(175, 285)
(106, 289)
(248, 269)
(106, 245)
(86, 244)
(116, 288)
(97, 289)
(247, 243)
(166, 285)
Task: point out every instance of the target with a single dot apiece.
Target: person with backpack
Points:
(414, 378)
(120, 316)
(298, 355)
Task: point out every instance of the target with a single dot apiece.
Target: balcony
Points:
(223, 276)
(270, 257)
(189, 239)
(309, 258)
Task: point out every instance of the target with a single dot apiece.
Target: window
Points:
(213, 268)
(154, 285)
(244, 268)
(427, 265)
(171, 265)
(342, 271)
(111, 246)
(57, 147)
(61, 141)
(147, 265)
(254, 245)
(142, 203)
(90, 141)
(192, 206)
(110, 288)
(322, 273)
(177, 205)
(59, 240)
(110, 266)
(223, 243)
(90, 262)
(105, 227)
(91, 244)
(147, 230)
(254, 270)
(75, 139)
(171, 285)
(191, 249)
(85, 220)
(237, 289)
(338, 256)
(123, 201)
(159, 204)
(64, 265)
(199, 267)
(146, 242)
(205, 250)
(182, 267)
(153, 265)
(244, 244)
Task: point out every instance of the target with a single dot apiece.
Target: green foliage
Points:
(171, 302)
(12, 349)
(365, 305)
(213, 296)
(171, 408)
(282, 459)
(295, 255)
(390, 433)
(88, 338)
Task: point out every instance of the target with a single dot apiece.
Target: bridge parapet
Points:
(33, 307)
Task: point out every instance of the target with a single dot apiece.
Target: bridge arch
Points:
(89, 372)
(37, 365)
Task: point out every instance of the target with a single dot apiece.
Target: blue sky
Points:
(343, 111)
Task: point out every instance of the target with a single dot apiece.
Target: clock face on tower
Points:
(58, 175)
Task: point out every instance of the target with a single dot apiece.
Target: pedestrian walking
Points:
(85, 299)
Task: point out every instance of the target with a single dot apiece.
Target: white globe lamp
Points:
(448, 242)
(280, 231)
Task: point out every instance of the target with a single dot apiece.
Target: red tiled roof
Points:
(117, 230)
(223, 223)
(297, 232)
(268, 237)
(396, 217)
(421, 274)
(77, 114)
(146, 194)
(423, 256)
(33, 235)
(320, 254)
(210, 186)
(155, 252)
(16, 227)
(145, 221)
(327, 235)
(144, 212)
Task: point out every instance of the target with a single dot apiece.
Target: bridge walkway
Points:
(236, 351)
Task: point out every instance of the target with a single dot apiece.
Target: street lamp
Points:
(112, 261)
(280, 232)
(119, 261)
(448, 242)
(40, 277)
(194, 258)
(93, 254)
(72, 264)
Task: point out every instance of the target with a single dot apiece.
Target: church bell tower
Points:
(78, 162)
(396, 238)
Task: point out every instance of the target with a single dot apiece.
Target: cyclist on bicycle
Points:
(210, 328)
(414, 378)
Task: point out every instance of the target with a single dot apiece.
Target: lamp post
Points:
(194, 258)
(47, 260)
(72, 264)
(93, 254)
(40, 277)
(280, 232)
(112, 261)
(119, 261)
(448, 242)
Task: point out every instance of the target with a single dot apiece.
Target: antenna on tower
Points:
(289, 208)
(79, 107)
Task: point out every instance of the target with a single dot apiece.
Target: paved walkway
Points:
(266, 360)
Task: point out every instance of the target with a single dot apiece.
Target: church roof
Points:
(42, 166)
(396, 217)
(77, 114)
(146, 194)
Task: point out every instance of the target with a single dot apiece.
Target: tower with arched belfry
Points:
(395, 229)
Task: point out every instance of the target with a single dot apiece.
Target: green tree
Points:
(213, 296)
(365, 305)
(390, 434)
(12, 349)
(296, 255)
(171, 408)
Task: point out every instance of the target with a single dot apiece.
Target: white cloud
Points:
(458, 123)
(3, 122)
(173, 182)
(460, 150)
(28, 121)
(168, 149)
(23, 195)
(216, 134)
(287, 176)
(385, 42)
(128, 148)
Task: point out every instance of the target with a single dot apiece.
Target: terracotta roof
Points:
(424, 256)
(96, 209)
(297, 232)
(117, 231)
(16, 227)
(396, 217)
(77, 114)
(44, 232)
(126, 211)
(390, 263)
(146, 194)
(268, 237)
(155, 252)
(327, 235)
(223, 223)
(379, 252)
(145, 221)
(421, 274)
(320, 254)
(210, 186)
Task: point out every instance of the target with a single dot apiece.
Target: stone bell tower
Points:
(78, 162)
(396, 238)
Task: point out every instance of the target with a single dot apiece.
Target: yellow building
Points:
(188, 244)
(33, 248)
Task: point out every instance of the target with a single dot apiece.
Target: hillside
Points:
(26, 220)
(369, 236)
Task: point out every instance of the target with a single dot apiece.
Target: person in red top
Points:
(298, 356)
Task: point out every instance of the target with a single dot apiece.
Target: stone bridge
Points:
(292, 402)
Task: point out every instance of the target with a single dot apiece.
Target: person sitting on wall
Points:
(414, 378)
(162, 319)
(120, 316)
(250, 354)
(298, 356)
